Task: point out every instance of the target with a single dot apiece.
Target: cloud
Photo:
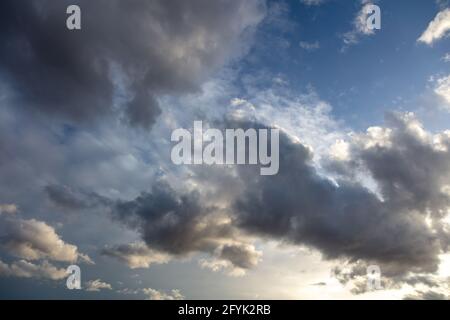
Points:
(137, 255)
(219, 211)
(214, 212)
(180, 224)
(35, 240)
(153, 294)
(242, 256)
(8, 208)
(97, 285)
(304, 117)
(442, 90)
(344, 219)
(71, 199)
(25, 269)
(309, 46)
(234, 260)
(160, 48)
(437, 29)
(355, 275)
(175, 224)
(360, 26)
(312, 2)
(426, 295)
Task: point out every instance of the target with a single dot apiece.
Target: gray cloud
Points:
(354, 273)
(71, 199)
(138, 51)
(426, 295)
(8, 208)
(97, 285)
(312, 2)
(178, 224)
(26, 269)
(172, 224)
(396, 225)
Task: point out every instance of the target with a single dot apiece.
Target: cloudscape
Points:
(254, 149)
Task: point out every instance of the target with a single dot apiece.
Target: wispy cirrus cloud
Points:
(97, 285)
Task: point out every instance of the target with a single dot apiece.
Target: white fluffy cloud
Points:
(97, 285)
(234, 260)
(437, 29)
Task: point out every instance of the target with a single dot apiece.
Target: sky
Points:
(86, 176)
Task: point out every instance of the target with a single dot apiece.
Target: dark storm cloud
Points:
(170, 224)
(151, 48)
(68, 198)
(343, 220)
(319, 284)
(346, 220)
